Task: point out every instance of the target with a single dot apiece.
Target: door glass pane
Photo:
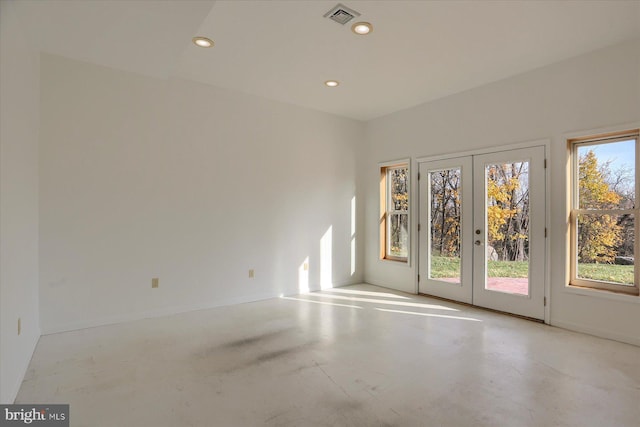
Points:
(398, 232)
(605, 248)
(444, 225)
(507, 219)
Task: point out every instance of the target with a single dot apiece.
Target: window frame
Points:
(575, 211)
(386, 210)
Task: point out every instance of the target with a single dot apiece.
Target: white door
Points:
(446, 222)
(483, 239)
(509, 223)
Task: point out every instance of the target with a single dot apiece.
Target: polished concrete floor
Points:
(354, 356)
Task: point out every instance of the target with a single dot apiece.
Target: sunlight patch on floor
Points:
(381, 301)
(429, 314)
(367, 293)
(320, 302)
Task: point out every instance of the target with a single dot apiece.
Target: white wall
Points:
(597, 90)
(19, 108)
(143, 178)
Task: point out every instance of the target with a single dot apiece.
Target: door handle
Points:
(478, 242)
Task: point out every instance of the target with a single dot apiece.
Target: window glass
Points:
(603, 214)
(394, 237)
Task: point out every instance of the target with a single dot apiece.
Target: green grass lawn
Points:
(442, 267)
(607, 272)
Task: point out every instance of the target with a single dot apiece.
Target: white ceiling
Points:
(142, 36)
(284, 50)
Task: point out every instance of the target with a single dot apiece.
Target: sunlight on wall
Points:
(353, 235)
(353, 256)
(326, 281)
(303, 276)
(353, 216)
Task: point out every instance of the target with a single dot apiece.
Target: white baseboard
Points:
(409, 290)
(160, 312)
(600, 333)
(165, 311)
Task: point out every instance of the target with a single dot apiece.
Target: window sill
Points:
(597, 293)
(397, 262)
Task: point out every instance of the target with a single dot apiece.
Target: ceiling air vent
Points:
(341, 14)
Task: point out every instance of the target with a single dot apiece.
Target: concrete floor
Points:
(354, 356)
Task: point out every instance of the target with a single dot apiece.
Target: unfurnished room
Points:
(319, 213)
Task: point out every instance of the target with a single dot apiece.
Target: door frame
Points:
(415, 210)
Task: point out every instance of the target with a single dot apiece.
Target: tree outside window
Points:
(394, 219)
(603, 234)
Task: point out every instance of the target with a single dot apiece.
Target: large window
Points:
(394, 212)
(604, 237)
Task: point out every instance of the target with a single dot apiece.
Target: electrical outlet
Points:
(155, 282)
(19, 326)
(251, 274)
(306, 266)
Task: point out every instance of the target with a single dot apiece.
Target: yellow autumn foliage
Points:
(598, 235)
(499, 209)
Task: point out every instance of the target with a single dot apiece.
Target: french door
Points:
(482, 230)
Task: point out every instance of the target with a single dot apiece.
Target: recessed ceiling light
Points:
(362, 28)
(202, 41)
(331, 83)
